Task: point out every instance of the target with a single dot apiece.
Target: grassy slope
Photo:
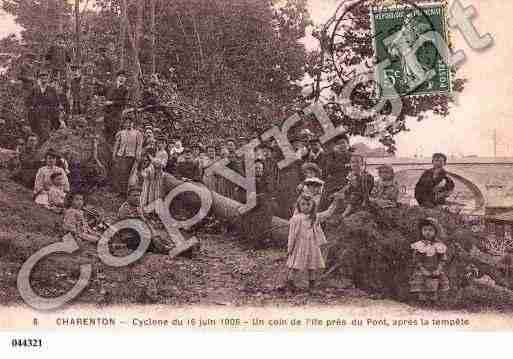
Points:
(25, 228)
(225, 271)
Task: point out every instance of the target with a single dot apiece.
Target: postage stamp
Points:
(413, 37)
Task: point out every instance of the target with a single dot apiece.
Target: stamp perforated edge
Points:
(394, 7)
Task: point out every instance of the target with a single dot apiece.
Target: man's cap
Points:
(44, 72)
(197, 145)
(134, 189)
(314, 181)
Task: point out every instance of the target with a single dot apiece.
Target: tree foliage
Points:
(242, 57)
(350, 53)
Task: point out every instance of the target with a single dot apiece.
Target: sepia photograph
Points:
(255, 165)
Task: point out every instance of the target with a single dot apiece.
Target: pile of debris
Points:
(374, 251)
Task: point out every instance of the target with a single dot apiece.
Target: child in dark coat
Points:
(435, 185)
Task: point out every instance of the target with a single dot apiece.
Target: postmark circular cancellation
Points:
(409, 42)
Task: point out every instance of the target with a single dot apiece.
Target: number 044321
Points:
(26, 343)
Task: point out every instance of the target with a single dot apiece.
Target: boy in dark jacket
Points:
(359, 186)
(187, 168)
(434, 186)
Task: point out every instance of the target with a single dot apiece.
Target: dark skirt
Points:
(122, 167)
(256, 223)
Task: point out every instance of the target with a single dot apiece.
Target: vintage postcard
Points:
(255, 165)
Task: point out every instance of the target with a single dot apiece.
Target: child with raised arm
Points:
(306, 238)
(312, 185)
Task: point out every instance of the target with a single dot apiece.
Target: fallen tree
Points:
(374, 250)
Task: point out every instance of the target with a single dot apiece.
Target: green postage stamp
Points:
(414, 39)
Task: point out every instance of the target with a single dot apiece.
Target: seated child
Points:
(53, 194)
(75, 221)
(56, 192)
(429, 258)
(188, 168)
(386, 191)
(352, 195)
(360, 185)
(132, 209)
(42, 197)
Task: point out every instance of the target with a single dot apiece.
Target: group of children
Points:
(306, 239)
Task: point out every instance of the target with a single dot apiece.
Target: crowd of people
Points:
(322, 183)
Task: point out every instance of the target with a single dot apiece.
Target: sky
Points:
(485, 106)
(487, 101)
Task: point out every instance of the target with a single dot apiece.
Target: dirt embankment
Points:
(224, 271)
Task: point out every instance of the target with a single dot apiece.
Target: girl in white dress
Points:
(306, 238)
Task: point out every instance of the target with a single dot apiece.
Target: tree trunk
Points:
(59, 11)
(200, 48)
(135, 49)
(228, 209)
(122, 37)
(77, 32)
(153, 36)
